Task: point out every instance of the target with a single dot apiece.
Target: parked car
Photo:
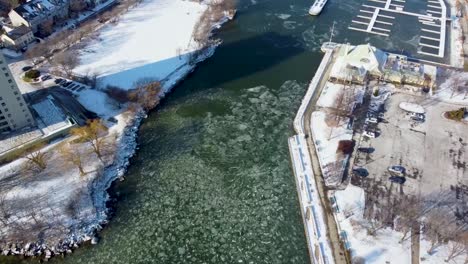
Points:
(26, 68)
(58, 81)
(397, 179)
(46, 77)
(361, 172)
(366, 150)
(397, 169)
(417, 117)
(371, 120)
(368, 134)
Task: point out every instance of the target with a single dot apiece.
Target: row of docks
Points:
(377, 17)
(433, 29)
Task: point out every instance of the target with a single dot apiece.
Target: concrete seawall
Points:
(312, 211)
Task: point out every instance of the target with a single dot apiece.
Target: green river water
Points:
(211, 182)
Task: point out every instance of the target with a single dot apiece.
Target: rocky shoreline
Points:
(127, 146)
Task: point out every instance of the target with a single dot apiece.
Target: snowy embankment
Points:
(146, 43)
(151, 41)
(143, 55)
(386, 245)
(159, 47)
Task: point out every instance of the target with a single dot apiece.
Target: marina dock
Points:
(376, 18)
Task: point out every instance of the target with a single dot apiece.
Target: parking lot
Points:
(433, 152)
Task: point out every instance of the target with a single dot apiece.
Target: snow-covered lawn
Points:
(339, 96)
(145, 43)
(385, 246)
(454, 89)
(327, 131)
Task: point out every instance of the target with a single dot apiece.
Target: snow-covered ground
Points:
(146, 43)
(448, 91)
(327, 131)
(385, 246)
(339, 96)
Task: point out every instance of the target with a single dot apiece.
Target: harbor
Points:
(378, 16)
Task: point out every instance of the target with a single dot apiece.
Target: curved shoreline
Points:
(82, 232)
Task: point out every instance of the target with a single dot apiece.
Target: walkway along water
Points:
(322, 234)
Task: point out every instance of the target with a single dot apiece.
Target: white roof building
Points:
(355, 62)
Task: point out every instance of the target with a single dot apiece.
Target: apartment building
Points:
(14, 112)
(39, 14)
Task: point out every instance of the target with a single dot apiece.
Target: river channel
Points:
(211, 181)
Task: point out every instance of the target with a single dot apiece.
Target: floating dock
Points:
(375, 18)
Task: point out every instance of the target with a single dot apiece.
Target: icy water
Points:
(212, 182)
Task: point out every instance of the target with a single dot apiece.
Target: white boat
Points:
(317, 7)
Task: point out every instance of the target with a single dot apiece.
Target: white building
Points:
(17, 37)
(14, 112)
(354, 63)
(36, 13)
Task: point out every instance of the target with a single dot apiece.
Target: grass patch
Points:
(456, 115)
(28, 80)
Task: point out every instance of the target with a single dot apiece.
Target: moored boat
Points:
(317, 7)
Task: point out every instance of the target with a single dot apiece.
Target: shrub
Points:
(456, 115)
(118, 94)
(376, 92)
(345, 146)
(32, 74)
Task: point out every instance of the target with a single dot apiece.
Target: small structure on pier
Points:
(357, 64)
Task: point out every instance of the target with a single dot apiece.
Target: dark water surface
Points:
(211, 182)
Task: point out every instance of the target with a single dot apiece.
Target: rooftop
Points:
(33, 8)
(18, 32)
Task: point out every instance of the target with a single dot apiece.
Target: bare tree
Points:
(440, 227)
(66, 61)
(456, 81)
(118, 94)
(5, 213)
(458, 247)
(93, 133)
(37, 158)
(36, 51)
(146, 93)
(409, 210)
(77, 5)
(47, 27)
(72, 156)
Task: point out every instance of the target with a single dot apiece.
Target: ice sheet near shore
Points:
(144, 43)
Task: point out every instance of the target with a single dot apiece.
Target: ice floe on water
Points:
(289, 24)
(222, 195)
(283, 16)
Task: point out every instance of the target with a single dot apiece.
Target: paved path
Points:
(302, 128)
(339, 252)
